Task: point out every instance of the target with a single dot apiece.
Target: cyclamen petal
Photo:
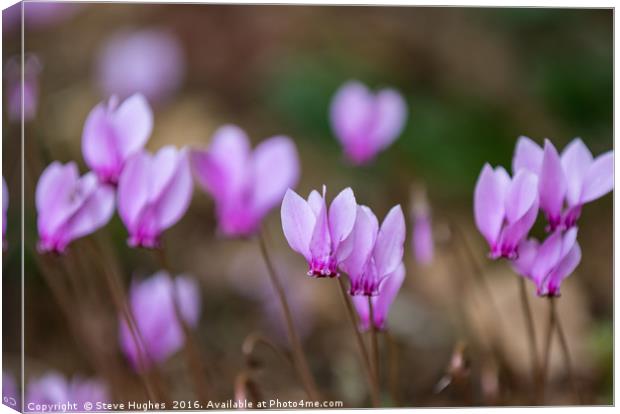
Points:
(113, 133)
(489, 210)
(552, 185)
(599, 179)
(53, 388)
(366, 123)
(244, 184)
(528, 155)
(154, 192)
(70, 207)
(576, 161)
(159, 330)
(298, 221)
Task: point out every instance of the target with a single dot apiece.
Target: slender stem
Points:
(566, 352)
(531, 332)
(374, 343)
(393, 367)
(374, 387)
(299, 357)
(548, 340)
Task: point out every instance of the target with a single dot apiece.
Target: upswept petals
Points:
(382, 302)
(69, 206)
(342, 214)
(528, 155)
(360, 244)
(159, 330)
(366, 123)
(576, 160)
(389, 247)
(489, 210)
(113, 133)
(552, 185)
(154, 192)
(599, 180)
(298, 222)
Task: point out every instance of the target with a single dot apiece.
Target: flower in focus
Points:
(154, 192)
(565, 182)
(245, 184)
(13, 74)
(549, 263)
(365, 122)
(380, 303)
(149, 61)
(160, 333)
(70, 206)
(5, 208)
(54, 388)
(505, 209)
(113, 132)
(373, 253)
(422, 243)
(316, 232)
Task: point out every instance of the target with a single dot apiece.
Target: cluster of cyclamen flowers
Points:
(506, 208)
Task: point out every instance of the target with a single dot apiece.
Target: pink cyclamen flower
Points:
(245, 184)
(54, 388)
(422, 243)
(380, 303)
(373, 253)
(505, 209)
(5, 208)
(113, 132)
(30, 87)
(149, 61)
(568, 181)
(70, 206)
(549, 263)
(316, 232)
(365, 122)
(154, 192)
(160, 333)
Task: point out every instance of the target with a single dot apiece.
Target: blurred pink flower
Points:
(366, 123)
(13, 76)
(380, 303)
(505, 209)
(422, 243)
(565, 182)
(113, 132)
(549, 263)
(245, 184)
(54, 388)
(149, 61)
(10, 393)
(5, 208)
(70, 206)
(373, 253)
(152, 303)
(37, 14)
(316, 232)
(154, 192)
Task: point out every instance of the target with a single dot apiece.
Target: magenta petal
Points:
(528, 155)
(564, 269)
(576, 160)
(552, 184)
(515, 232)
(5, 206)
(99, 144)
(133, 190)
(389, 247)
(321, 243)
(390, 114)
(524, 263)
(355, 251)
(549, 253)
(360, 303)
(271, 183)
(298, 222)
(599, 180)
(341, 216)
(188, 299)
(53, 189)
(350, 109)
(134, 122)
(96, 211)
(176, 196)
(521, 196)
(388, 291)
(489, 205)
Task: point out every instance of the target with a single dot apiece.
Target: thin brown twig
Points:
(531, 334)
(392, 347)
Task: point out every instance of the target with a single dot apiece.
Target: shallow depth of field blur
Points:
(474, 80)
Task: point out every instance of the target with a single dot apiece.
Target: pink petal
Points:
(567, 266)
(389, 247)
(316, 201)
(515, 232)
(551, 183)
(355, 251)
(528, 155)
(521, 196)
(271, 183)
(576, 160)
(523, 264)
(388, 291)
(599, 179)
(188, 299)
(175, 198)
(489, 204)
(100, 143)
(549, 253)
(298, 222)
(162, 168)
(390, 114)
(360, 303)
(321, 243)
(96, 211)
(133, 189)
(349, 111)
(133, 121)
(341, 218)
(53, 191)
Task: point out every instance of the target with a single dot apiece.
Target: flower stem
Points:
(303, 369)
(566, 353)
(374, 343)
(374, 387)
(393, 367)
(531, 333)
(548, 340)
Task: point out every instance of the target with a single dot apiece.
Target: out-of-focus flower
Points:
(505, 209)
(565, 182)
(70, 206)
(422, 243)
(13, 76)
(5, 208)
(245, 184)
(10, 393)
(380, 303)
(549, 263)
(54, 388)
(373, 253)
(160, 332)
(316, 232)
(154, 192)
(147, 61)
(113, 133)
(37, 14)
(364, 122)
